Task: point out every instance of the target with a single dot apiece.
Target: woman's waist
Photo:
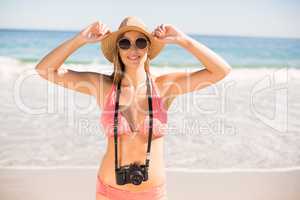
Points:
(134, 144)
(125, 158)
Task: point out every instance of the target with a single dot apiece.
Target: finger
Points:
(153, 34)
(101, 37)
(160, 29)
(89, 35)
(106, 35)
(105, 27)
(159, 32)
(156, 33)
(99, 22)
(94, 28)
(100, 25)
(93, 25)
(100, 29)
(94, 31)
(106, 30)
(163, 27)
(94, 35)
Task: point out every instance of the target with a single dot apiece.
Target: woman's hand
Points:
(95, 32)
(168, 34)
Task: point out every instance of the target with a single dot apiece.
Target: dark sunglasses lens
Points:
(141, 43)
(124, 44)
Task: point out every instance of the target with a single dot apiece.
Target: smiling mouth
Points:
(133, 57)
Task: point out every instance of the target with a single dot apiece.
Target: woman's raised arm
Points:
(176, 83)
(84, 82)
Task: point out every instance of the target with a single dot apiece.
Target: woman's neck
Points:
(134, 77)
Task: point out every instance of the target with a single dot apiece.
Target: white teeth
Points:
(133, 57)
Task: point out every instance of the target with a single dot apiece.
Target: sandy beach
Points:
(79, 183)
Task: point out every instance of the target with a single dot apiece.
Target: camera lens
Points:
(136, 177)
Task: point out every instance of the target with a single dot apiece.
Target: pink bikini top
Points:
(159, 116)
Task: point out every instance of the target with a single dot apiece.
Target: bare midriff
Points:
(132, 148)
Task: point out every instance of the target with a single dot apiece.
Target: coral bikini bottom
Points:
(155, 193)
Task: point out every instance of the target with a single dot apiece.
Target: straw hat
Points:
(108, 44)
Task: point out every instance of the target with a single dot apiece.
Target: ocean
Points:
(250, 119)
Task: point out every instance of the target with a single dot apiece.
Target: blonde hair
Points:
(119, 67)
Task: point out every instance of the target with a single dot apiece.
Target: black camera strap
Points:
(149, 91)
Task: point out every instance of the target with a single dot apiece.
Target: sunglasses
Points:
(125, 43)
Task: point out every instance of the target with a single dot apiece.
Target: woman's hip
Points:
(158, 192)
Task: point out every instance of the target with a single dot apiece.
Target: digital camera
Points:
(132, 173)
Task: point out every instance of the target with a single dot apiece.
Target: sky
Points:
(269, 18)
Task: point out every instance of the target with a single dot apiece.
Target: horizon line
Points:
(189, 33)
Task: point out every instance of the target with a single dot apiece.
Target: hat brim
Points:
(108, 44)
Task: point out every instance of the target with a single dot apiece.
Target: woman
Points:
(130, 49)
